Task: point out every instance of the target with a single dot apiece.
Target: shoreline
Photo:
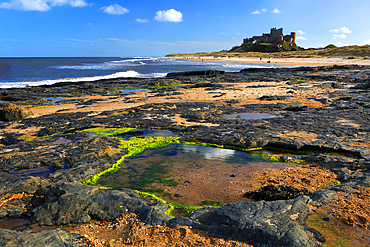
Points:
(324, 111)
(316, 61)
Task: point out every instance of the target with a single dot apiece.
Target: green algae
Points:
(334, 233)
(137, 145)
(270, 157)
(335, 183)
(36, 138)
(277, 158)
(212, 203)
(172, 207)
(108, 131)
(134, 146)
(185, 209)
(158, 199)
(153, 173)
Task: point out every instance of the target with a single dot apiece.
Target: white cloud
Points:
(78, 3)
(301, 32)
(345, 30)
(79, 40)
(300, 38)
(40, 5)
(142, 20)
(342, 29)
(276, 11)
(367, 42)
(112, 39)
(339, 36)
(168, 16)
(223, 33)
(257, 12)
(115, 9)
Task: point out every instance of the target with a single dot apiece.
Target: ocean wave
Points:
(131, 62)
(126, 74)
(109, 65)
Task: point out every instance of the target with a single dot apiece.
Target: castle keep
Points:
(275, 35)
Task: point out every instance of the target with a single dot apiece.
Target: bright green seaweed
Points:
(134, 146)
(137, 145)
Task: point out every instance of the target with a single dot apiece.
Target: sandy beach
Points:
(314, 61)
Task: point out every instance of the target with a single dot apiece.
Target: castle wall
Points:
(276, 32)
(275, 35)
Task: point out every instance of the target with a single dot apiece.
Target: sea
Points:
(29, 72)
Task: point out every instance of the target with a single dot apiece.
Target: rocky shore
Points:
(318, 116)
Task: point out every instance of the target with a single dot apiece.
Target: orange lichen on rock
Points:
(353, 208)
(297, 176)
(14, 197)
(11, 112)
(129, 231)
(109, 150)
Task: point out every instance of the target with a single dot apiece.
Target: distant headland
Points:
(277, 45)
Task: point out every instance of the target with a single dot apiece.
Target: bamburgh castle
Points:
(275, 35)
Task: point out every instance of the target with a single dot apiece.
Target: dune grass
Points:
(354, 51)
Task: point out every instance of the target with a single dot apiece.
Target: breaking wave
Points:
(126, 74)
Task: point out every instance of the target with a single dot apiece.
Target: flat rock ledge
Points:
(56, 237)
(276, 223)
(73, 203)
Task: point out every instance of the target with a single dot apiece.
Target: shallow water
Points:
(188, 173)
(55, 99)
(250, 116)
(145, 133)
(127, 91)
(17, 223)
(37, 172)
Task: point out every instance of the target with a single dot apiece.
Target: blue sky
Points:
(39, 28)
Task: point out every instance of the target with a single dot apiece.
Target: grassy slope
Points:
(345, 51)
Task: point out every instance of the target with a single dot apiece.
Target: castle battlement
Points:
(275, 35)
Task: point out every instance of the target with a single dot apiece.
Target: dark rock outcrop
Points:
(47, 238)
(12, 112)
(276, 192)
(192, 73)
(75, 203)
(277, 223)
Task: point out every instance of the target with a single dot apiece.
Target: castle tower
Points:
(276, 32)
(292, 34)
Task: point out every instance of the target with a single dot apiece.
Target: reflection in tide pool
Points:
(17, 223)
(251, 116)
(210, 153)
(43, 171)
